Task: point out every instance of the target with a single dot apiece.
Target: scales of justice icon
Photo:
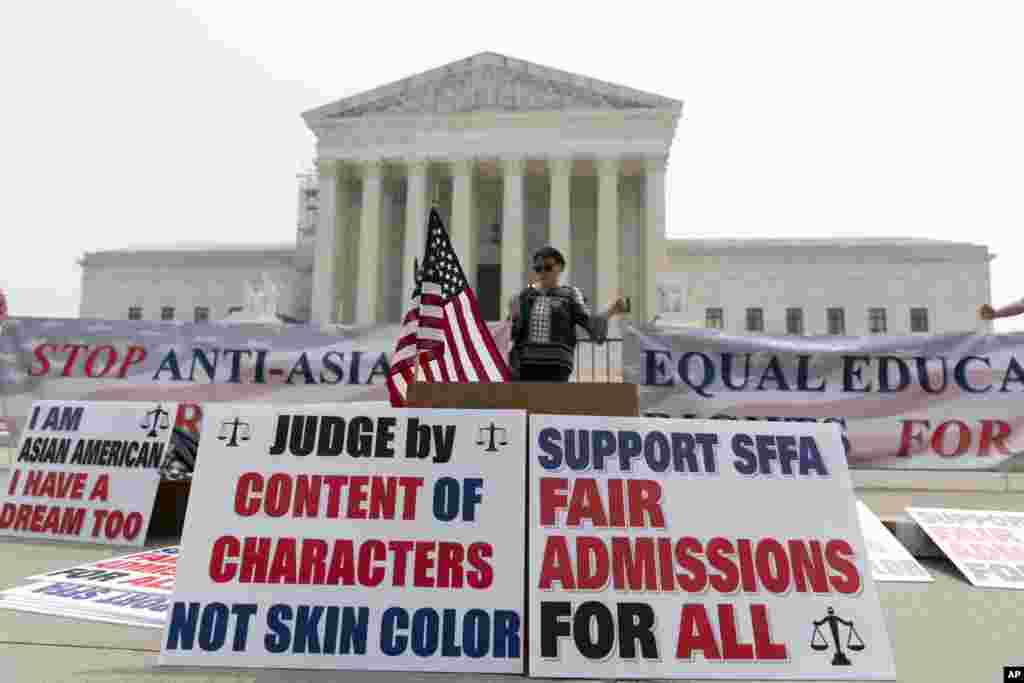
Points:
(853, 639)
(156, 419)
(501, 432)
(234, 431)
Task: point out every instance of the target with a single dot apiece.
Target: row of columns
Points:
(366, 280)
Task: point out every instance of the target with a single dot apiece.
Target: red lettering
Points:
(134, 356)
(312, 569)
(278, 496)
(962, 444)
(222, 571)
(401, 551)
(695, 634)
(482, 575)
(592, 558)
(697, 579)
(998, 440)
(732, 648)
(282, 569)
(763, 645)
(586, 504)
(342, 570)
(908, 437)
(449, 565)
(246, 504)
(719, 552)
(90, 361)
(189, 416)
(808, 566)
(40, 354)
(553, 497)
(772, 565)
(373, 551)
(557, 564)
(422, 565)
(410, 487)
(645, 501)
(837, 553)
(255, 558)
(356, 496)
(74, 349)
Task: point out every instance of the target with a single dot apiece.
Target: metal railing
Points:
(598, 362)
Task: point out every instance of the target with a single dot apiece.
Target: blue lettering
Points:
(394, 619)
(277, 641)
(548, 441)
(181, 633)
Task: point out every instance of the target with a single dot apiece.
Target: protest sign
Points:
(987, 546)
(91, 603)
(913, 402)
(87, 472)
(697, 549)
(890, 561)
(353, 537)
(150, 571)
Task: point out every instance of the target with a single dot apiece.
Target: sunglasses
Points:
(546, 268)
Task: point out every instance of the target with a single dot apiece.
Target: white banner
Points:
(890, 561)
(932, 402)
(986, 545)
(697, 549)
(353, 537)
(91, 603)
(87, 472)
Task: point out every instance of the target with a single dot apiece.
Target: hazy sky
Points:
(127, 123)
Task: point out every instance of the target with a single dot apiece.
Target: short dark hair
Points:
(551, 253)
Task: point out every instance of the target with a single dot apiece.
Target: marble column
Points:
(415, 224)
(560, 220)
(369, 245)
(513, 237)
(653, 235)
(608, 233)
(462, 212)
(322, 312)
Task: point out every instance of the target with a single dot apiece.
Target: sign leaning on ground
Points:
(890, 561)
(87, 471)
(986, 545)
(353, 537)
(697, 549)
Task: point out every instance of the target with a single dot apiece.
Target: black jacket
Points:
(568, 309)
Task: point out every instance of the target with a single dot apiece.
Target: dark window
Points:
(202, 314)
(135, 312)
(167, 313)
(836, 321)
(755, 320)
(918, 319)
(876, 321)
(714, 318)
(794, 321)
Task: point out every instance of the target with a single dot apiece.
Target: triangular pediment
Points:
(491, 82)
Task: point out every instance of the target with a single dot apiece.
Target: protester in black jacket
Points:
(544, 319)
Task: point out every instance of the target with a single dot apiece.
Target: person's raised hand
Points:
(986, 312)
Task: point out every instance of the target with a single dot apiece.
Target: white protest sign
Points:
(87, 471)
(697, 549)
(353, 537)
(987, 546)
(890, 561)
(111, 605)
(149, 571)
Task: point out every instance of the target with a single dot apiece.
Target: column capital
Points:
(416, 165)
(513, 165)
(560, 165)
(657, 163)
(327, 167)
(607, 165)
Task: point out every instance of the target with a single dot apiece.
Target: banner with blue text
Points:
(936, 402)
(353, 537)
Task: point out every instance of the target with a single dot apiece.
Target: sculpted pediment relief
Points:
(492, 83)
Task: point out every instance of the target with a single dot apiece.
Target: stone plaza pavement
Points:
(945, 631)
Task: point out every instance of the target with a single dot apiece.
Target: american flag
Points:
(3, 306)
(443, 332)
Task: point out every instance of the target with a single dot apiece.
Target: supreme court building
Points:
(515, 156)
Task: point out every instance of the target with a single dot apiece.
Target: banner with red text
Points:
(148, 571)
(191, 364)
(353, 537)
(697, 549)
(924, 402)
(87, 472)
